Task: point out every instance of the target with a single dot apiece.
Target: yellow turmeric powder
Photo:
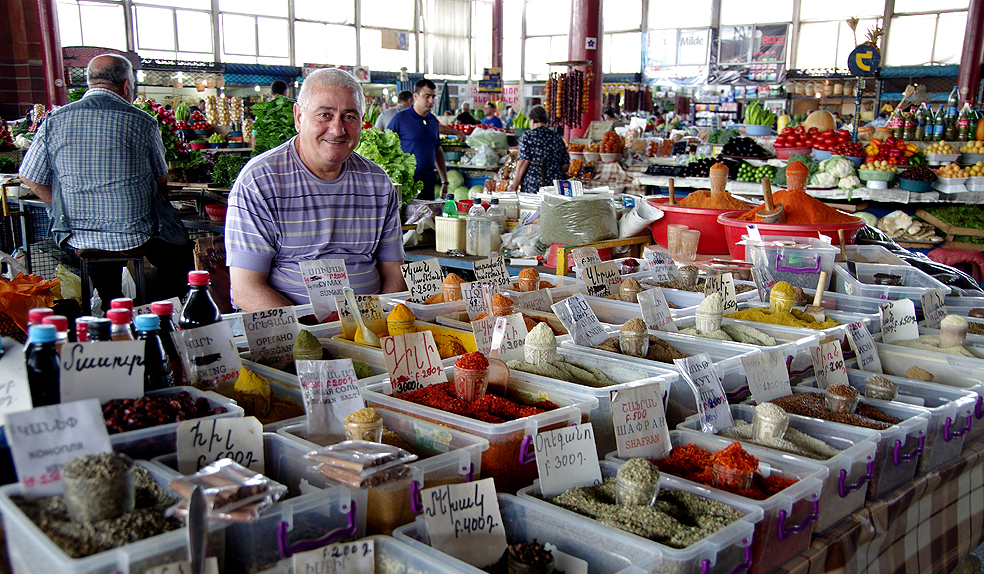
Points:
(448, 346)
(794, 318)
(253, 393)
(401, 320)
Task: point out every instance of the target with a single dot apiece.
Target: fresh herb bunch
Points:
(226, 169)
(969, 215)
(274, 123)
(174, 147)
(76, 94)
(383, 147)
(7, 164)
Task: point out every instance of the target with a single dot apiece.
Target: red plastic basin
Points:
(712, 237)
(734, 228)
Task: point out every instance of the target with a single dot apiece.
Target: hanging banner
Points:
(692, 47)
(769, 43)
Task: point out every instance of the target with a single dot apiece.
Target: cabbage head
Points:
(849, 182)
(455, 179)
(475, 190)
(838, 166)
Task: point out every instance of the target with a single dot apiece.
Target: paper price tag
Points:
(764, 281)
(271, 335)
(566, 457)
(725, 285)
(412, 361)
(15, 393)
(492, 270)
(509, 337)
(580, 321)
(175, 309)
(655, 311)
(768, 377)
(208, 356)
(424, 278)
(933, 307)
(483, 329)
(712, 403)
(204, 441)
(898, 320)
(539, 300)
(324, 279)
(357, 557)
(463, 520)
(864, 348)
(184, 567)
(828, 365)
(43, 439)
(753, 232)
(104, 370)
(372, 314)
(659, 264)
(583, 257)
(640, 422)
(474, 300)
(602, 278)
(330, 393)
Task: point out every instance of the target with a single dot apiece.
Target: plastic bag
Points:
(129, 286)
(524, 238)
(13, 265)
(25, 292)
(639, 219)
(491, 138)
(577, 220)
(485, 157)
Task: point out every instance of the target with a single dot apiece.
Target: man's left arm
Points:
(42, 191)
(449, 131)
(390, 277)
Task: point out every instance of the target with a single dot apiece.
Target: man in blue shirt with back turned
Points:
(419, 134)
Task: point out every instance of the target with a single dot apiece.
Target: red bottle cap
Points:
(82, 328)
(36, 315)
(198, 278)
(162, 308)
(121, 303)
(118, 316)
(59, 321)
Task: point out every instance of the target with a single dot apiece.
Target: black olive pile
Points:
(918, 173)
(743, 147)
(702, 167)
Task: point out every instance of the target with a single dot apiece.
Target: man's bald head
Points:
(112, 72)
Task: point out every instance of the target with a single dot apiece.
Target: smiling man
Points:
(313, 198)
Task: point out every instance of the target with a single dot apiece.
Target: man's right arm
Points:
(250, 291)
(42, 191)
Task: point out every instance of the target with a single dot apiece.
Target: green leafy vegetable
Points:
(721, 136)
(76, 94)
(274, 123)
(7, 165)
(383, 147)
(226, 169)
(969, 215)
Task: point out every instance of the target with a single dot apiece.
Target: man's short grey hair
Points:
(115, 73)
(332, 78)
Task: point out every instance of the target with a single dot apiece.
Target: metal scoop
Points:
(498, 375)
(772, 213)
(362, 335)
(815, 310)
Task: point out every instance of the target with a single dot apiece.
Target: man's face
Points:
(328, 130)
(423, 101)
(489, 110)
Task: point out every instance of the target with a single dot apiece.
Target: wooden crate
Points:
(952, 231)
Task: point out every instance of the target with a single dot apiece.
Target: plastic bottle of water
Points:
(476, 224)
(497, 219)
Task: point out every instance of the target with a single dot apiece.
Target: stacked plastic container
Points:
(390, 556)
(915, 282)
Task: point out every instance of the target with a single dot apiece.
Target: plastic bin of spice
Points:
(612, 312)
(523, 521)
(840, 331)
(951, 414)
(391, 556)
(466, 338)
(872, 254)
(975, 342)
(420, 311)
(958, 305)
(146, 443)
(849, 471)
(898, 360)
(563, 287)
(460, 320)
(915, 282)
(509, 460)
(725, 551)
(796, 260)
(840, 302)
(314, 508)
(789, 516)
(899, 446)
(31, 551)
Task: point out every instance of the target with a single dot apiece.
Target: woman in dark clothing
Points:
(542, 155)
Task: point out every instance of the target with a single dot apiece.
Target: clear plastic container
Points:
(420, 311)
(798, 265)
(915, 282)
(470, 384)
(371, 432)
(839, 331)
(30, 551)
(392, 556)
(873, 254)
(789, 516)
(563, 287)
(617, 312)
(605, 549)
(510, 458)
(840, 302)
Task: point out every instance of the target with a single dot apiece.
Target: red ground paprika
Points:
(694, 463)
(472, 361)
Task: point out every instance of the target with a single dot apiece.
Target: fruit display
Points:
(976, 170)
(743, 147)
(701, 167)
(800, 136)
(849, 149)
(918, 173)
(940, 148)
(894, 151)
(211, 111)
(217, 139)
(973, 146)
(878, 166)
(652, 148)
(196, 121)
(574, 169)
(822, 120)
(748, 172)
(951, 171)
(757, 115)
(611, 142)
(575, 147)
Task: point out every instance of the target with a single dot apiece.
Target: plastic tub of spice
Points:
(735, 230)
(951, 414)
(838, 331)
(390, 556)
(915, 282)
(313, 508)
(421, 311)
(604, 549)
(789, 516)
(510, 458)
(900, 446)
(796, 260)
(30, 550)
(833, 301)
(727, 550)
(871, 254)
(460, 320)
(685, 301)
(563, 287)
(975, 332)
(450, 342)
(849, 471)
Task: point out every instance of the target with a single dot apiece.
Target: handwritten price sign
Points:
(566, 457)
(424, 278)
(899, 320)
(15, 394)
(655, 310)
(323, 280)
(864, 348)
(463, 520)
(580, 321)
(602, 278)
(330, 393)
(828, 364)
(345, 558)
(640, 422)
(767, 375)
(492, 270)
(934, 309)
(474, 298)
(271, 335)
(712, 404)
(204, 441)
(412, 361)
(659, 265)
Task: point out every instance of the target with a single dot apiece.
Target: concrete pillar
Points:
(969, 76)
(585, 41)
(21, 58)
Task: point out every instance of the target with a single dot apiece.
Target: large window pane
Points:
(324, 44)
(194, 31)
(622, 53)
(257, 7)
(335, 12)
(547, 17)
(689, 14)
(481, 45)
(910, 40)
(512, 19)
(759, 11)
(622, 16)
(375, 57)
(949, 38)
(847, 42)
(816, 48)
(103, 25)
(155, 28)
(540, 51)
(842, 9)
(69, 24)
(902, 6)
(388, 14)
(273, 37)
(199, 4)
(238, 34)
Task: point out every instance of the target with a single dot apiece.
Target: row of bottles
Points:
(47, 333)
(483, 229)
(949, 123)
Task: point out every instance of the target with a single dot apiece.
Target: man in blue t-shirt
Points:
(491, 119)
(419, 134)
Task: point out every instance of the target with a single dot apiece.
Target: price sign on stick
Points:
(424, 278)
(474, 299)
(582, 257)
(659, 264)
(509, 337)
(356, 557)
(768, 377)
(725, 285)
(580, 321)
(566, 457)
(640, 422)
(828, 365)
(655, 310)
(208, 356)
(271, 335)
(482, 330)
(712, 403)
(372, 314)
(330, 393)
(412, 361)
(492, 270)
(539, 300)
(864, 347)
(324, 279)
(602, 279)
(899, 320)
(463, 520)
(104, 370)
(934, 309)
(204, 441)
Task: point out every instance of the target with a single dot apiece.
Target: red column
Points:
(585, 44)
(54, 68)
(970, 58)
(21, 82)
(497, 34)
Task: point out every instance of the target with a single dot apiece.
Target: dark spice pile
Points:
(698, 288)
(490, 408)
(812, 405)
(694, 463)
(659, 350)
(532, 554)
(79, 541)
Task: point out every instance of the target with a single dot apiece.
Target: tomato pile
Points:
(196, 121)
(849, 149)
(812, 138)
(894, 151)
